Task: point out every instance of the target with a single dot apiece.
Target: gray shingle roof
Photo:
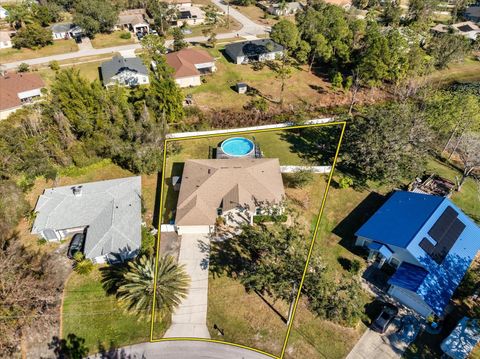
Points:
(252, 48)
(119, 64)
(111, 211)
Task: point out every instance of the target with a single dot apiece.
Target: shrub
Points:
(258, 104)
(23, 67)
(148, 242)
(82, 265)
(125, 35)
(54, 65)
(355, 266)
(270, 218)
(298, 179)
(345, 182)
(337, 80)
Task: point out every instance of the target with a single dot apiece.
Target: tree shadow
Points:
(157, 204)
(72, 347)
(316, 146)
(355, 219)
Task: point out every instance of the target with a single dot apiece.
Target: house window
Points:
(219, 211)
(258, 211)
(394, 262)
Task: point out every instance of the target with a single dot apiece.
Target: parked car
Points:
(385, 317)
(140, 35)
(76, 245)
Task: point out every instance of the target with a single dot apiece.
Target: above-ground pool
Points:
(237, 146)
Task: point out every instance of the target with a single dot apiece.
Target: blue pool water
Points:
(237, 146)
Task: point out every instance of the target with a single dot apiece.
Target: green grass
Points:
(90, 314)
(112, 39)
(58, 47)
(466, 71)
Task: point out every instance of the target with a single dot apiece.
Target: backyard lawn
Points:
(112, 39)
(256, 14)
(90, 314)
(303, 87)
(58, 47)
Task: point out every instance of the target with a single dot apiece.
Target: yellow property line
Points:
(297, 298)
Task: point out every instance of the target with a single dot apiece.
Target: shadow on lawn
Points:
(71, 347)
(355, 219)
(316, 146)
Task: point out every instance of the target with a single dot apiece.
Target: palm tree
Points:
(135, 285)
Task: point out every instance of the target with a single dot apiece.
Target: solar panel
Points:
(445, 232)
(443, 223)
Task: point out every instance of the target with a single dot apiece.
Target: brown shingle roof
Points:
(184, 61)
(13, 83)
(209, 184)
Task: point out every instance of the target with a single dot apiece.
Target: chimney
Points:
(77, 191)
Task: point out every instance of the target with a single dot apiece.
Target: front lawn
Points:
(256, 14)
(58, 47)
(112, 39)
(90, 314)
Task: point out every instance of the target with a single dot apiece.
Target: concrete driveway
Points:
(180, 350)
(373, 345)
(190, 319)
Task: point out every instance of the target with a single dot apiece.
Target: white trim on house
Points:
(410, 299)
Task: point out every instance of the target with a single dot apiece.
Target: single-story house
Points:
(128, 71)
(236, 189)
(291, 8)
(5, 40)
(17, 90)
(191, 15)
(472, 13)
(134, 20)
(255, 50)
(429, 240)
(66, 30)
(462, 340)
(108, 212)
(189, 64)
(3, 13)
(466, 28)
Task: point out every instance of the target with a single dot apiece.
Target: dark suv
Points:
(388, 313)
(76, 245)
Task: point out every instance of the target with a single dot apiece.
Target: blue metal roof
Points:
(398, 221)
(443, 279)
(408, 276)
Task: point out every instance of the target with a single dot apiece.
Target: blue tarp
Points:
(408, 276)
(462, 339)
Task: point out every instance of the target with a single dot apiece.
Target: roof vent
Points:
(77, 191)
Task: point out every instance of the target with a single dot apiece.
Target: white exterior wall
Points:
(142, 79)
(400, 254)
(207, 65)
(5, 44)
(411, 300)
(195, 229)
(59, 35)
(189, 81)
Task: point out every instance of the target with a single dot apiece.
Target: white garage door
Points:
(410, 299)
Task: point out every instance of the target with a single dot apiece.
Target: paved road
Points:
(249, 30)
(181, 350)
(190, 318)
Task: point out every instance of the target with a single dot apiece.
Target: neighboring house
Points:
(472, 13)
(467, 28)
(5, 40)
(108, 212)
(256, 50)
(3, 13)
(134, 20)
(124, 71)
(463, 339)
(190, 15)
(17, 90)
(236, 189)
(290, 8)
(66, 31)
(431, 243)
(189, 64)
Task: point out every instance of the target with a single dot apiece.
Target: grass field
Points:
(466, 71)
(256, 14)
(90, 314)
(112, 39)
(58, 47)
